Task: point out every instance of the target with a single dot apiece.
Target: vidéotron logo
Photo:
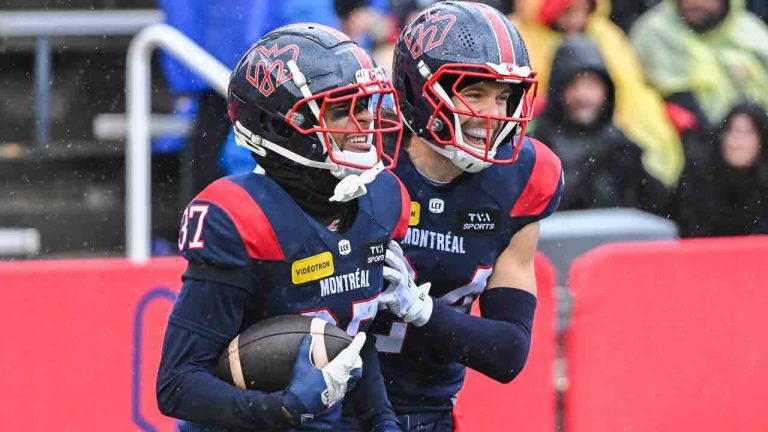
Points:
(428, 34)
(263, 63)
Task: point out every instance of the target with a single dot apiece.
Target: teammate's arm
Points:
(497, 343)
(514, 267)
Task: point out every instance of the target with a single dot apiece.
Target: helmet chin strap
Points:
(353, 185)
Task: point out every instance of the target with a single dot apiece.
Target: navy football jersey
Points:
(246, 231)
(456, 232)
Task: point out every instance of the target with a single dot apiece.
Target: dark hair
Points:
(344, 8)
(759, 118)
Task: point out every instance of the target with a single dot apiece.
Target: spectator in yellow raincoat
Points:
(640, 111)
(704, 55)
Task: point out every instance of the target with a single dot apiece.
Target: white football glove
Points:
(312, 390)
(343, 370)
(403, 297)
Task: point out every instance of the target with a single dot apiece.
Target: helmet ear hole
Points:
(275, 126)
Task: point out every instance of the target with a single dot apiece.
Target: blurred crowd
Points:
(654, 104)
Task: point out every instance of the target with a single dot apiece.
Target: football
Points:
(262, 356)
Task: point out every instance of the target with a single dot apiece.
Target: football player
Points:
(478, 187)
(305, 234)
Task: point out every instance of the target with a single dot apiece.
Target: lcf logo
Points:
(428, 34)
(264, 63)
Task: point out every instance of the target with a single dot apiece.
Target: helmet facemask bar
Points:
(371, 92)
(446, 114)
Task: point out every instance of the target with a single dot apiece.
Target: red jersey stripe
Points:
(250, 221)
(542, 184)
(405, 212)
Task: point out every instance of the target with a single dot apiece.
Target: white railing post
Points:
(138, 210)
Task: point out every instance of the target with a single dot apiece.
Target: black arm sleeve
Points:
(368, 399)
(206, 316)
(497, 344)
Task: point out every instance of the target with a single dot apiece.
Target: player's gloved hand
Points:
(403, 297)
(312, 391)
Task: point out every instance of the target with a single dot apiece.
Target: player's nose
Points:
(487, 105)
(364, 117)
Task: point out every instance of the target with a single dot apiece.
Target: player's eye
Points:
(472, 96)
(339, 110)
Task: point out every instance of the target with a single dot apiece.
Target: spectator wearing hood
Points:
(704, 56)
(726, 193)
(640, 111)
(603, 168)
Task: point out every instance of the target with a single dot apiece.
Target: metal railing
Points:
(138, 101)
(42, 25)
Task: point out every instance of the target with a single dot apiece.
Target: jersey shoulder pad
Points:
(224, 226)
(391, 203)
(543, 187)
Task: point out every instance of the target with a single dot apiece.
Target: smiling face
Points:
(338, 116)
(484, 97)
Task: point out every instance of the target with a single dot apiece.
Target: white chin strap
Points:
(462, 159)
(353, 185)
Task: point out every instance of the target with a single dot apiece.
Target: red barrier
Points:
(528, 402)
(670, 337)
(81, 343)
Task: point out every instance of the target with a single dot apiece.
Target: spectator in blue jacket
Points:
(225, 29)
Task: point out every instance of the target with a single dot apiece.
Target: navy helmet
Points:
(282, 87)
(450, 45)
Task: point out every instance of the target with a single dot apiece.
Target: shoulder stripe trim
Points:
(542, 184)
(405, 212)
(250, 221)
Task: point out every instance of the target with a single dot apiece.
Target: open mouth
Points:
(476, 137)
(357, 143)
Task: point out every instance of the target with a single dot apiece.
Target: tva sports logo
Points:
(428, 34)
(263, 63)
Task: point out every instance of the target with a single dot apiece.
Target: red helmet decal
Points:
(429, 34)
(270, 60)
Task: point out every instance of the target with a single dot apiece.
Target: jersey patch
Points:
(478, 221)
(415, 214)
(312, 268)
(374, 253)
